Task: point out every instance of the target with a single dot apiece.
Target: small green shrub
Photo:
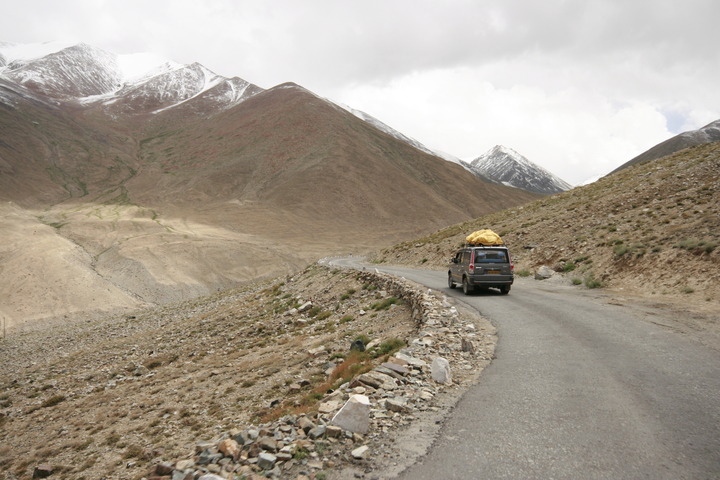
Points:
(688, 244)
(620, 250)
(636, 249)
(389, 347)
(592, 282)
(523, 273)
(133, 451)
(384, 304)
(151, 365)
(52, 401)
(323, 315)
(569, 267)
(301, 453)
(577, 281)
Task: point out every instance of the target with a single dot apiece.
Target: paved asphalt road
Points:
(580, 389)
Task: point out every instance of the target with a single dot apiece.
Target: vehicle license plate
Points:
(492, 272)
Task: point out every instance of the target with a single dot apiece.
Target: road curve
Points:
(580, 389)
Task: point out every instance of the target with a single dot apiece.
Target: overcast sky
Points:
(576, 86)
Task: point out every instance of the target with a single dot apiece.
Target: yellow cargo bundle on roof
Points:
(484, 237)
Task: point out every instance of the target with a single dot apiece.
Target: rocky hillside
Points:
(246, 381)
(652, 228)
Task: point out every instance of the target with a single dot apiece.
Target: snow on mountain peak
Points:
(73, 72)
(135, 66)
(708, 133)
(506, 166)
(132, 65)
(31, 51)
(141, 82)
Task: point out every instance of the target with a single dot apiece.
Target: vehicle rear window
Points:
(491, 256)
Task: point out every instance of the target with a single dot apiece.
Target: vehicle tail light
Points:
(471, 267)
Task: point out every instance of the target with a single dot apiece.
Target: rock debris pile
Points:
(353, 424)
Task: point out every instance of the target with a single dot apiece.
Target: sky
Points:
(578, 87)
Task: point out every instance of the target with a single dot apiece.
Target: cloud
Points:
(578, 87)
(571, 132)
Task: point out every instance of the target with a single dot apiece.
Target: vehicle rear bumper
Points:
(490, 280)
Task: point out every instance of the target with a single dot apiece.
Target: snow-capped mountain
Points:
(74, 72)
(504, 165)
(708, 133)
(89, 75)
(133, 84)
(172, 85)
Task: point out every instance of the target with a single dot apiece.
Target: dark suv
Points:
(481, 267)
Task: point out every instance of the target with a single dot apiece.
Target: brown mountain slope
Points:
(707, 134)
(174, 205)
(287, 149)
(652, 228)
(48, 155)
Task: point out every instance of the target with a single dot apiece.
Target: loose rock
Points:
(441, 370)
(360, 452)
(544, 272)
(354, 416)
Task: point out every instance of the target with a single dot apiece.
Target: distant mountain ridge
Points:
(90, 75)
(506, 166)
(118, 193)
(707, 134)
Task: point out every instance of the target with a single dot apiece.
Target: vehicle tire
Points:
(505, 289)
(467, 288)
(451, 284)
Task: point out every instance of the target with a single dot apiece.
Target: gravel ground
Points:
(111, 397)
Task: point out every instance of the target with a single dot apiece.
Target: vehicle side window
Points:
(465, 257)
